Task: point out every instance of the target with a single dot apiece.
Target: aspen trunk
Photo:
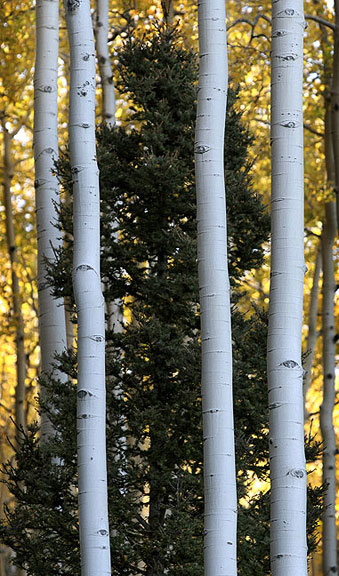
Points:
(218, 428)
(335, 106)
(114, 309)
(312, 329)
(20, 390)
(168, 10)
(91, 412)
(329, 534)
(68, 300)
(314, 571)
(51, 310)
(285, 372)
(105, 68)
(69, 324)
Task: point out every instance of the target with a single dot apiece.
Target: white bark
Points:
(329, 533)
(51, 310)
(329, 552)
(105, 68)
(218, 428)
(114, 309)
(287, 458)
(312, 329)
(91, 414)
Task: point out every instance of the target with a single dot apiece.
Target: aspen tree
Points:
(285, 372)
(20, 390)
(105, 68)
(91, 411)
(335, 104)
(218, 430)
(51, 310)
(108, 107)
(312, 328)
(329, 531)
(168, 10)
(68, 300)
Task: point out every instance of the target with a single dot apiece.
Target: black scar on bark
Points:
(72, 5)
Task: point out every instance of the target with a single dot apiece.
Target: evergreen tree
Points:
(154, 433)
(148, 185)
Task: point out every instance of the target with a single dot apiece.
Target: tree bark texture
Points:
(105, 68)
(329, 532)
(91, 411)
(285, 372)
(20, 390)
(312, 329)
(68, 238)
(114, 309)
(313, 571)
(329, 536)
(335, 107)
(218, 429)
(168, 10)
(47, 194)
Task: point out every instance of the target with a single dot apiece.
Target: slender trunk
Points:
(329, 535)
(285, 372)
(68, 300)
(20, 390)
(335, 106)
(91, 413)
(51, 310)
(69, 324)
(314, 571)
(4, 550)
(168, 10)
(312, 329)
(114, 309)
(218, 429)
(105, 68)
(158, 499)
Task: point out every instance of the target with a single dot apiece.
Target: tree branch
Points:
(249, 22)
(321, 21)
(253, 23)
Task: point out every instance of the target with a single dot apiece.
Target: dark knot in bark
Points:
(73, 5)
